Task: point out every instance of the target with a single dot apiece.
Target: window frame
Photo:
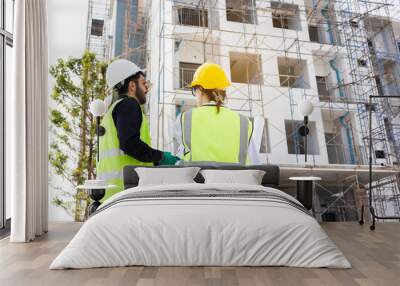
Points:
(250, 60)
(279, 21)
(192, 17)
(245, 14)
(280, 17)
(190, 69)
(295, 142)
(313, 33)
(322, 86)
(289, 77)
(6, 39)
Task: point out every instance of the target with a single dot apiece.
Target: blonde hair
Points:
(217, 95)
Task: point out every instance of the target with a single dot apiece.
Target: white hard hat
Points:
(120, 70)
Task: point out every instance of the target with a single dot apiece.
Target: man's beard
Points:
(141, 96)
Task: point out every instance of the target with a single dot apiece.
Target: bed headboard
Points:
(270, 179)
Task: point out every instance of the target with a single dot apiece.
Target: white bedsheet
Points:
(200, 231)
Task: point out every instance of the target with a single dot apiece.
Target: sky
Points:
(67, 21)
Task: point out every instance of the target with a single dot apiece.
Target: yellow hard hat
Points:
(210, 76)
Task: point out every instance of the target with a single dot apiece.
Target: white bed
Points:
(265, 229)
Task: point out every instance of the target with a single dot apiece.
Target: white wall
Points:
(67, 21)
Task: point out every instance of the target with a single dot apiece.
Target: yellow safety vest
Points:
(112, 159)
(210, 137)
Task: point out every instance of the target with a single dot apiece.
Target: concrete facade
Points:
(272, 70)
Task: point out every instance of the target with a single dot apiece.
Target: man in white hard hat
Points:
(127, 137)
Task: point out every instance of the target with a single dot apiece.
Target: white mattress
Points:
(191, 231)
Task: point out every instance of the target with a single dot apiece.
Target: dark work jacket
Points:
(127, 116)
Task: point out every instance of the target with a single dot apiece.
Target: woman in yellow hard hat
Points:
(211, 132)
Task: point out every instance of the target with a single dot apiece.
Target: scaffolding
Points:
(343, 36)
(369, 40)
(99, 28)
(130, 31)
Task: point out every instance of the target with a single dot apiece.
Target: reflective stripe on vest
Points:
(206, 163)
(111, 175)
(112, 159)
(187, 131)
(244, 139)
(110, 153)
(244, 134)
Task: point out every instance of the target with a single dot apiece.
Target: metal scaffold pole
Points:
(275, 64)
(363, 23)
(98, 35)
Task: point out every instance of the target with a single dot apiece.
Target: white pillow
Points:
(166, 176)
(248, 177)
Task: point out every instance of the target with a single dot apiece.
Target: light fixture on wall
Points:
(305, 109)
(97, 108)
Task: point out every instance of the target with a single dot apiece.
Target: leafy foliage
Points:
(78, 81)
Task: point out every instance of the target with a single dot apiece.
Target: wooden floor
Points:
(375, 257)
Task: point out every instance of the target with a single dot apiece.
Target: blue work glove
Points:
(169, 159)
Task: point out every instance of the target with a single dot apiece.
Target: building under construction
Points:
(130, 31)
(117, 29)
(277, 54)
(100, 28)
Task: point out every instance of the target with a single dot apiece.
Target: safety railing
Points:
(340, 154)
(241, 15)
(318, 35)
(334, 93)
(337, 154)
(187, 16)
(293, 81)
(185, 77)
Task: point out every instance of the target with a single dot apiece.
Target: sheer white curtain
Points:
(29, 123)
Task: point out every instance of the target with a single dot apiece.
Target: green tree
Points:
(72, 153)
